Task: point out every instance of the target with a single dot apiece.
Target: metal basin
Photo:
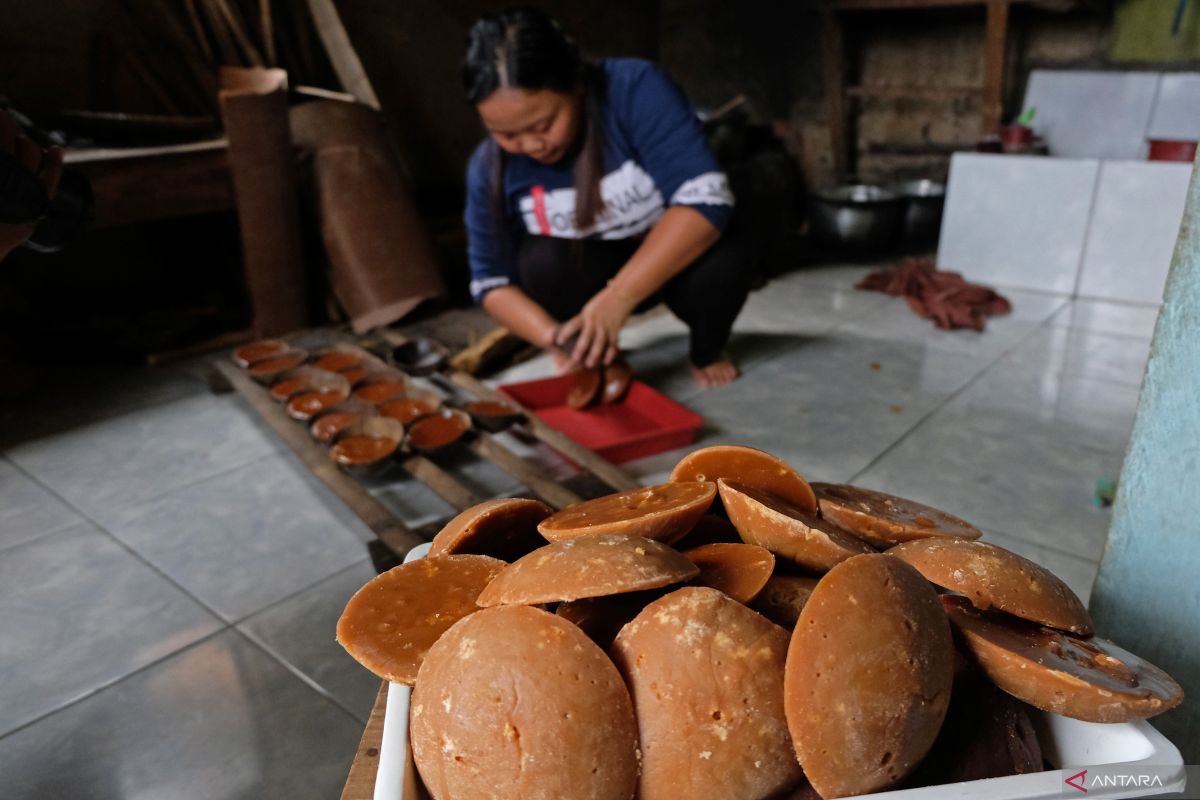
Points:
(858, 217)
(923, 204)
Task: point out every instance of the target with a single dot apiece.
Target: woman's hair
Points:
(523, 48)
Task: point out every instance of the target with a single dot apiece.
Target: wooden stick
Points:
(995, 42)
(268, 31)
(549, 490)
(345, 60)
(444, 485)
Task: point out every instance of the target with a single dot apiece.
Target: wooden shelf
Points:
(833, 69)
(936, 92)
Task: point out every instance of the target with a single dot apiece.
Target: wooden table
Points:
(360, 785)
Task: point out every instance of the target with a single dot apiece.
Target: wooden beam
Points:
(382, 522)
(932, 92)
(360, 785)
(554, 493)
(345, 60)
(901, 5)
(994, 45)
(834, 82)
(443, 484)
(606, 471)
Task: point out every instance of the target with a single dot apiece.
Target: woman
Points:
(594, 196)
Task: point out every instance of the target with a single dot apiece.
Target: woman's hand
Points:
(598, 327)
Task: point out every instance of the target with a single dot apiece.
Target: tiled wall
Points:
(1071, 226)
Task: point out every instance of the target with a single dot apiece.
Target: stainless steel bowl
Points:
(857, 217)
(923, 203)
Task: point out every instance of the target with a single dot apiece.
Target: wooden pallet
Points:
(600, 476)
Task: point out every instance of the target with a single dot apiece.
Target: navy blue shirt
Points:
(654, 157)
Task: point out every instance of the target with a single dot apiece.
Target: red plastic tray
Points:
(644, 423)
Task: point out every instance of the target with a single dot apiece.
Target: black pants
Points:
(562, 275)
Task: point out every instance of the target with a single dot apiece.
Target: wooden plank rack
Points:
(596, 476)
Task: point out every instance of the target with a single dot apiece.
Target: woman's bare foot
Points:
(718, 373)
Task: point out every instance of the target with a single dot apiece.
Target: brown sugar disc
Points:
(987, 734)
(283, 389)
(868, 678)
(517, 703)
(883, 519)
(704, 672)
(339, 360)
(360, 450)
(783, 598)
(392, 621)
(992, 576)
(739, 570)
(749, 467)
(602, 618)
(263, 349)
(590, 566)
(504, 529)
(307, 404)
(278, 362)
(585, 388)
(617, 378)
(664, 512)
(788, 532)
(1088, 679)
(330, 425)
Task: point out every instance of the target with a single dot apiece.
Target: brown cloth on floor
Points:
(944, 297)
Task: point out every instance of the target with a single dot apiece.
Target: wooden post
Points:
(832, 77)
(994, 45)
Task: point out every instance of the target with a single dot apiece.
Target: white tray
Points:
(1065, 743)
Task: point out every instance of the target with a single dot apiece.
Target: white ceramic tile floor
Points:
(1011, 428)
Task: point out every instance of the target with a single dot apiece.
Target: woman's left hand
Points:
(598, 327)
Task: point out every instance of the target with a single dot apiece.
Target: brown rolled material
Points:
(590, 566)
(268, 368)
(883, 519)
(992, 576)
(801, 538)
(1088, 679)
(505, 529)
(664, 512)
(987, 734)
(868, 676)
(382, 264)
(254, 109)
(783, 598)
(704, 674)
(748, 466)
(739, 570)
(517, 703)
(392, 621)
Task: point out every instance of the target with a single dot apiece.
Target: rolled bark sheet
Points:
(254, 110)
(382, 264)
